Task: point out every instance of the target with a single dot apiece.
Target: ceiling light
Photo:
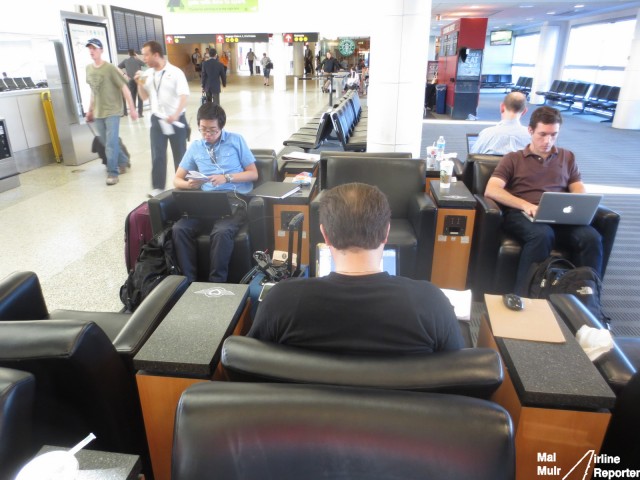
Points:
(551, 13)
(578, 6)
(526, 6)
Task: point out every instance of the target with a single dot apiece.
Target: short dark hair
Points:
(355, 215)
(545, 115)
(213, 52)
(515, 102)
(211, 111)
(154, 47)
(131, 52)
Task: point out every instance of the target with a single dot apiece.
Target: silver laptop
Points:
(566, 208)
(325, 265)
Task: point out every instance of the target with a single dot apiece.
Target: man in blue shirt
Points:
(509, 135)
(229, 165)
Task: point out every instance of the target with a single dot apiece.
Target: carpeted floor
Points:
(608, 160)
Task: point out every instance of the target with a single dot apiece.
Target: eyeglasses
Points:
(209, 131)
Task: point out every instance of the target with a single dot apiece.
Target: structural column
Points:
(399, 54)
(627, 116)
(278, 55)
(545, 61)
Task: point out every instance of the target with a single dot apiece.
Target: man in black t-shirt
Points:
(358, 308)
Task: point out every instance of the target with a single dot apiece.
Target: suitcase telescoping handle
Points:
(295, 224)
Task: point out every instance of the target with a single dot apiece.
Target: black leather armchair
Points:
(254, 235)
(620, 367)
(21, 298)
(16, 409)
(474, 372)
(413, 213)
(82, 385)
(258, 431)
(495, 255)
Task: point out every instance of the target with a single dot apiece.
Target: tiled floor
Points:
(65, 224)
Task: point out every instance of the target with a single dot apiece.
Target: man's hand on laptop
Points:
(530, 209)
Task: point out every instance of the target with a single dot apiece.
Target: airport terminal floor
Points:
(65, 224)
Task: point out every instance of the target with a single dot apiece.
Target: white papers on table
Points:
(302, 157)
(461, 301)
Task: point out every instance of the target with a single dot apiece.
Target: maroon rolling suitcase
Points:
(137, 232)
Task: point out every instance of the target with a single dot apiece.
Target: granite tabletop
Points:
(189, 340)
(96, 465)
(555, 375)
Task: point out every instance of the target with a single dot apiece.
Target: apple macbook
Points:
(566, 208)
(200, 204)
(471, 139)
(325, 265)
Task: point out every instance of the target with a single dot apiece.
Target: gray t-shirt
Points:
(106, 83)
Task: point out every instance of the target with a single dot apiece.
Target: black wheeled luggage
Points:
(98, 147)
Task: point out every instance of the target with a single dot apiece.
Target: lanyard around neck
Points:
(157, 87)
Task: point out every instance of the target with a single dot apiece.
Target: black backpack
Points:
(558, 275)
(155, 261)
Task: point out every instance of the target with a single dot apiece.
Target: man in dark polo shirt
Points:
(518, 183)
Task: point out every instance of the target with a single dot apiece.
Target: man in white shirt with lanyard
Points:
(166, 87)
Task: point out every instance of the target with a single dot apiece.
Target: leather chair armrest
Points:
(614, 365)
(149, 314)
(458, 167)
(486, 243)
(423, 215)
(21, 297)
(17, 391)
(606, 222)
(162, 211)
(315, 236)
(475, 372)
(260, 224)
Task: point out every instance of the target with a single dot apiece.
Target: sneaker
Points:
(112, 180)
(155, 192)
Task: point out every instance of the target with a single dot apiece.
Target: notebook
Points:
(566, 208)
(199, 204)
(471, 139)
(325, 265)
(275, 190)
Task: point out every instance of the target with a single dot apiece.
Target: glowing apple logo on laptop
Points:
(568, 209)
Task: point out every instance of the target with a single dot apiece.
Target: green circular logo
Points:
(347, 46)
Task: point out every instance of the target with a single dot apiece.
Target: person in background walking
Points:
(265, 61)
(108, 85)
(213, 76)
(250, 58)
(196, 59)
(130, 66)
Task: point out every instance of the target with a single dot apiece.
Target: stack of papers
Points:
(301, 157)
(196, 175)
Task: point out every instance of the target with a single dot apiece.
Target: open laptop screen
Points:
(471, 139)
(325, 265)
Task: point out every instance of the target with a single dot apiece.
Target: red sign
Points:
(288, 37)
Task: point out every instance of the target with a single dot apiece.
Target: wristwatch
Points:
(228, 177)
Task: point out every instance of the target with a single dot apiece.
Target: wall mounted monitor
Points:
(501, 37)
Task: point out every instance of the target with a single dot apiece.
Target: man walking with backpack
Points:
(518, 183)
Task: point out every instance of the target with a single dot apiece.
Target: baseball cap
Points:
(95, 42)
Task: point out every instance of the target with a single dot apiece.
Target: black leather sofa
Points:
(495, 255)
(413, 213)
(254, 235)
(259, 431)
(16, 410)
(474, 372)
(21, 298)
(82, 385)
(620, 367)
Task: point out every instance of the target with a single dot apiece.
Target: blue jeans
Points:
(582, 241)
(159, 141)
(108, 129)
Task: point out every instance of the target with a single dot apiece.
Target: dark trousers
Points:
(250, 66)
(538, 239)
(221, 239)
(159, 141)
(213, 97)
(133, 88)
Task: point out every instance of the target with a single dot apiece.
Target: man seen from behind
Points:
(358, 308)
(509, 135)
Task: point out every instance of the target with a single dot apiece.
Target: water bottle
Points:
(440, 145)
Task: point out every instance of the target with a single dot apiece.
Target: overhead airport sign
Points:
(242, 37)
(212, 6)
(190, 38)
(300, 37)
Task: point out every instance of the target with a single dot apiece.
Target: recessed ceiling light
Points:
(551, 13)
(578, 6)
(526, 6)
(530, 19)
